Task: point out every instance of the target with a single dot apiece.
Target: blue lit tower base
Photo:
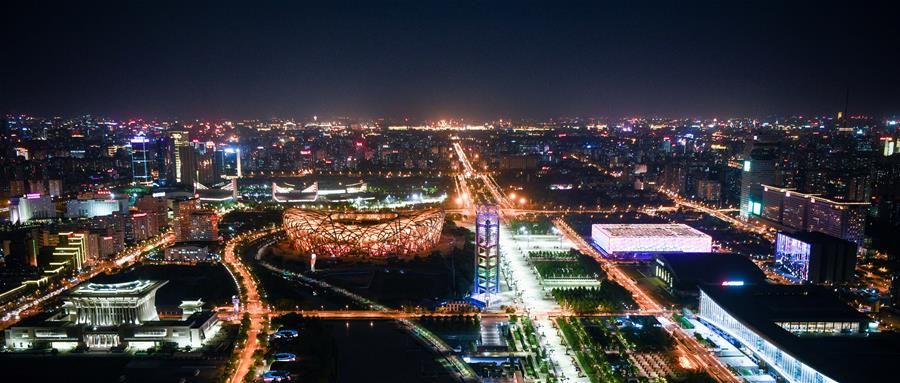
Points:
(487, 254)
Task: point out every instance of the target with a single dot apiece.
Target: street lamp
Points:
(524, 230)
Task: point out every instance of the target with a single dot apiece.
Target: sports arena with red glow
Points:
(376, 234)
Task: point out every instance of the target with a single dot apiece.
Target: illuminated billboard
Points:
(792, 256)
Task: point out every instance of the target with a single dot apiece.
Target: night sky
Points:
(420, 59)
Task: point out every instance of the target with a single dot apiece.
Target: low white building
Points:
(635, 240)
(31, 206)
(89, 208)
(103, 316)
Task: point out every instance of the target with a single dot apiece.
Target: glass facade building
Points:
(792, 255)
(787, 365)
(140, 167)
(800, 333)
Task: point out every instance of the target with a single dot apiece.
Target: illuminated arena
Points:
(400, 233)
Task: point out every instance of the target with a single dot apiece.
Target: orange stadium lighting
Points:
(382, 234)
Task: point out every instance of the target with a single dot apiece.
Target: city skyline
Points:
(450, 192)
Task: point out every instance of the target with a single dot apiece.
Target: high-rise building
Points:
(178, 145)
(793, 210)
(758, 168)
(207, 170)
(182, 212)
(16, 187)
(163, 159)
(231, 161)
(709, 190)
(140, 167)
(54, 187)
(204, 225)
(140, 226)
(37, 187)
(193, 224)
(890, 146)
(156, 208)
(731, 183)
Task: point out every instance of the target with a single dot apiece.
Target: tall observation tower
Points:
(487, 253)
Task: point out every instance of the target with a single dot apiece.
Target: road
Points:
(250, 301)
(718, 213)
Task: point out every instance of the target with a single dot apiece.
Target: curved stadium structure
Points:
(379, 234)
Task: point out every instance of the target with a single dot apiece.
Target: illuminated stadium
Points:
(376, 234)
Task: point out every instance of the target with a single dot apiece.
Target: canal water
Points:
(365, 350)
(380, 351)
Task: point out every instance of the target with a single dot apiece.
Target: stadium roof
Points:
(649, 230)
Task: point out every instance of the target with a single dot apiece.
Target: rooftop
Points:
(712, 268)
(649, 230)
(137, 287)
(817, 237)
(814, 197)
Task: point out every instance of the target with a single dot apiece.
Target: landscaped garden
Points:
(609, 297)
(620, 349)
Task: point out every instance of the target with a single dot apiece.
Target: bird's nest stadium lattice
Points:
(377, 234)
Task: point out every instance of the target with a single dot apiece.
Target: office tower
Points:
(182, 211)
(207, 172)
(758, 168)
(54, 187)
(16, 188)
(230, 161)
(37, 187)
(709, 191)
(203, 225)
(140, 168)
(163, 159)
(178, 145)
(139, 226)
